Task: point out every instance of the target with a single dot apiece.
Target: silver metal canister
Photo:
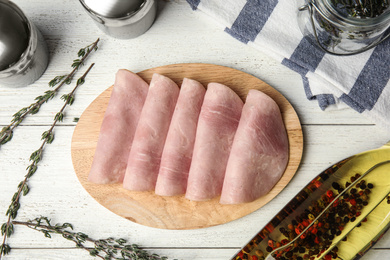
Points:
(23, 51)
(123, 19)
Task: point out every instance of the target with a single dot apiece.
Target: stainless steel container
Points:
(23, 51)
(123, 19)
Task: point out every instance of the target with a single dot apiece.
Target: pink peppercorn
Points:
(328, 257)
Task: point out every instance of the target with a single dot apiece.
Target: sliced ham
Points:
(179, 145)
(218, 121)
(118, 128)
(145, 154)
(259, 153)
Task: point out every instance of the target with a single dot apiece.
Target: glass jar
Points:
(345, 27)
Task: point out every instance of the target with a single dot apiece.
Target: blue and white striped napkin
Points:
(360, 81)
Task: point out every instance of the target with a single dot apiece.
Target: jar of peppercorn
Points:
(344, 27)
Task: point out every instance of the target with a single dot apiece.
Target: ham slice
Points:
(118, 128)
(179, 145)
(259, 153)
(218, 121)
(145, 154)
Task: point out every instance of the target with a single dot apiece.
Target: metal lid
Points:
(14, 34)
(113, 8)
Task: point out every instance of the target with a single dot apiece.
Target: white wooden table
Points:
(178, 35)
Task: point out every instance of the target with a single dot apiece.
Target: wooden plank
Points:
(76, 253)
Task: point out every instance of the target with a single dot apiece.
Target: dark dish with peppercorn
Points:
(340, 214)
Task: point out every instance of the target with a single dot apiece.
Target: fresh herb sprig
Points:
(7, 228)
(108, 248)
(6, 133)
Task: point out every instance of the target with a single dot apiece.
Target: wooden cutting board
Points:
(177, 212)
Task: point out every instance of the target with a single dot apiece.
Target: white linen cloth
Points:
(359, 81)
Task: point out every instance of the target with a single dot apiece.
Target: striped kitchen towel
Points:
(359, 81)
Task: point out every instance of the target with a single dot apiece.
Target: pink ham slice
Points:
(179, 145)
(145, 154)
(218, 121)
(259, 153)
(118, 128)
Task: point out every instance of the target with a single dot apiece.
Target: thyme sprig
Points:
(7, 228)
(6, 133)
(108, 248)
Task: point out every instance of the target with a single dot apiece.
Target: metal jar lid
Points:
(14, 34)
(113, 8)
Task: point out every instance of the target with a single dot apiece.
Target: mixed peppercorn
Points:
(301, 239)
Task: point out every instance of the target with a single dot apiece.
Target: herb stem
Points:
(7, 132)
(48, 137)
(51, 229)
(109, 248)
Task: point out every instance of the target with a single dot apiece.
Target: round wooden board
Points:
(148, 209)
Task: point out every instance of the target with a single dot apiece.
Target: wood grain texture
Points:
(177, 212)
